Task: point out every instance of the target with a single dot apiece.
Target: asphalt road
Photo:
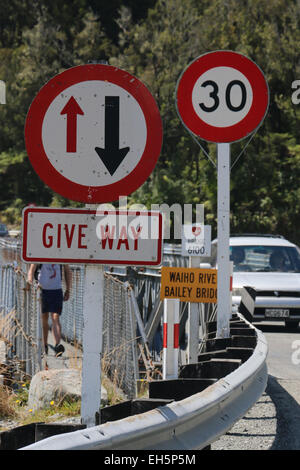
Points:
(284, 384)
(273, 423)
(284, 350)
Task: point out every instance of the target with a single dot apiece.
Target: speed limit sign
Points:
(222, 96)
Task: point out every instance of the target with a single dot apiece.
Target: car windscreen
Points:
(265, 258)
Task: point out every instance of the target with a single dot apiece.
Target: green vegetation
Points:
(156, 40)
(13, 407)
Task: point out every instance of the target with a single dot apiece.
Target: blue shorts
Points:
(52, 301)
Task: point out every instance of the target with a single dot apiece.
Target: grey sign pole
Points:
(224, 307)
(92, 344)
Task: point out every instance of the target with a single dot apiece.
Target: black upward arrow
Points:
(112, 156)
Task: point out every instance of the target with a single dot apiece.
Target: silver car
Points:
(266, 277)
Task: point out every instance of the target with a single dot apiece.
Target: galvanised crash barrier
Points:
(187, 413)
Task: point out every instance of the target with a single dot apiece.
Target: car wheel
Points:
(291, 323)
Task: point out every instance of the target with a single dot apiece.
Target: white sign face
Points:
(87, 236)
(196, 240)
(222, 96)
(82, 164)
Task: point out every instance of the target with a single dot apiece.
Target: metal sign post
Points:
(195, 243)
(92, 343)
(224, 307)
(193, 321)
(92, 339)
(222, 97)
(93, 133)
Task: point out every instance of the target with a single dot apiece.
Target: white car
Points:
(269, 267)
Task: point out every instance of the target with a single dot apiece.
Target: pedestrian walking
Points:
(50, 278)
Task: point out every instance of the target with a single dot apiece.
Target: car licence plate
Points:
(277, 312)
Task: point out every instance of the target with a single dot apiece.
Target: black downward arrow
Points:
(112, 156)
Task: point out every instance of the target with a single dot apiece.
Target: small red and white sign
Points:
(88, 236)
(196, 240)
(93, 133)
(222, 96)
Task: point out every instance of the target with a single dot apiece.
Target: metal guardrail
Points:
(191, 423)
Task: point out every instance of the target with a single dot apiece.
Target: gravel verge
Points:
(273, 423)
(285, 394)
(255, 431)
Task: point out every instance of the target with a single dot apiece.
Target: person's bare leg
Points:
(56, 328)
(45, 326)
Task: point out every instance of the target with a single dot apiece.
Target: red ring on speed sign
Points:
(34, 137)
(215, 133)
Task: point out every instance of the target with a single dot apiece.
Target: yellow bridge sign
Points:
(189, 284)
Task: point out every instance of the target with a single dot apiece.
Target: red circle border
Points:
(237, 131)
(35, 148)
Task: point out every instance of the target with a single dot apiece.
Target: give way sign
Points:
(88, 236)
(93, 133)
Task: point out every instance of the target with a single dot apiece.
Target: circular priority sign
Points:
(222, 96)
(93, 133)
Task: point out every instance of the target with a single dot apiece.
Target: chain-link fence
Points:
(120, 336)
(20, 323)
(19, 319)
(119, 328)
(72, 315)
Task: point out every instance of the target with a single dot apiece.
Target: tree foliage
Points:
(156, 40)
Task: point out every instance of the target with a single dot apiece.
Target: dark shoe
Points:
(59, 350)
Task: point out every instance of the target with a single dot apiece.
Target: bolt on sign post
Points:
(93, 133)
(222, 97)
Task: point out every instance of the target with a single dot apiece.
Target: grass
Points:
(8, 408)
(113, 373)
(55, 411)
(13, 408)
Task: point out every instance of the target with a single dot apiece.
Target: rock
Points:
(54, 385)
